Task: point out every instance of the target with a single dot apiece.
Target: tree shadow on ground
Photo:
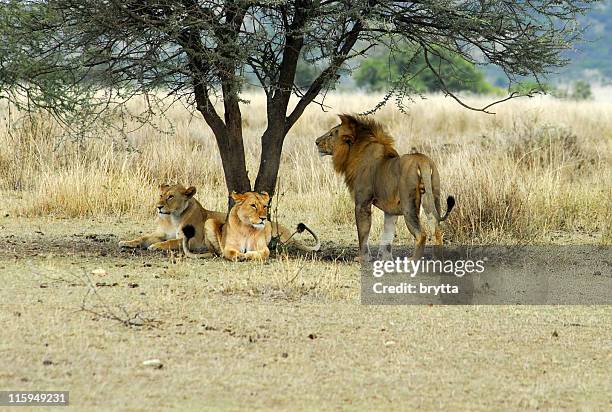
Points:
(89, 245)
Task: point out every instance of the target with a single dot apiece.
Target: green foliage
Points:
(579, 90)
(408, 65)
(305, 74)
(64, 55)
(528, 87)
(582, 90)
(594, 54)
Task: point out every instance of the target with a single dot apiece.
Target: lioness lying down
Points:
(377, 175)
(247, 232)
(177, 209)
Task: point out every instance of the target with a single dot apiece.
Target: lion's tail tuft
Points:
(189, 232)
(301, 227)
(450, 203)
(428, 200)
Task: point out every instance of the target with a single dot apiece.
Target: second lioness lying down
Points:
(246, 232)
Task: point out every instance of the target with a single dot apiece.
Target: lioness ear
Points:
(266, 196)
(163, 187)
(238, 197)
(190, 191)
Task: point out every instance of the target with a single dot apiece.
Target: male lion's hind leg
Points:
(438, 250)
(419, 246)
(142, 242)
(433, 230)
(411, 218)
(386, 239)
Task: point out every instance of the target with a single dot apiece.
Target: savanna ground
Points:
(291, 334)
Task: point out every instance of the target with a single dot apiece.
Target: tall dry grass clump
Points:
(535, 168)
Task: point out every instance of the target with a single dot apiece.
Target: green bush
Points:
(531, 87)
(579, 90)
(407, 67)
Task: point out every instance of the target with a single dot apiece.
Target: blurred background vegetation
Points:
(383, 69)
(591, 63)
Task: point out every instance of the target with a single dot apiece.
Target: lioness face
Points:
(173, 199)
(343, 134)
(252, 208)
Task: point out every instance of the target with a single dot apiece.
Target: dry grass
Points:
(536, 167)
(289, 334)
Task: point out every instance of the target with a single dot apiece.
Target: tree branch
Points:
(316, 86)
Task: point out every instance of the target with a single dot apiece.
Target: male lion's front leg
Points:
(143, 241)
(363, 218)
(172, 244)
(386, 239)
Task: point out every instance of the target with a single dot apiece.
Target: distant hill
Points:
(594, 57)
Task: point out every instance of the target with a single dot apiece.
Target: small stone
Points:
(153, 363)
(389, 343)
(99, 272)
(47, 362)
(555, 334)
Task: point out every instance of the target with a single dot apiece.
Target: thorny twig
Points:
(101, 308)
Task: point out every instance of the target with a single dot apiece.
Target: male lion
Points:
(176, 208)
(377, 175)
(247, 232)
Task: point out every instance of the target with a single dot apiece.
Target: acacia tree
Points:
(57, 53)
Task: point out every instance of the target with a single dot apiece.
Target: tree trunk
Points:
(234, 163)
(271, 150)
(231, 149)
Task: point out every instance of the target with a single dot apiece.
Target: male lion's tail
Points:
(189, 232)
(287, 238)
(431, 181)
